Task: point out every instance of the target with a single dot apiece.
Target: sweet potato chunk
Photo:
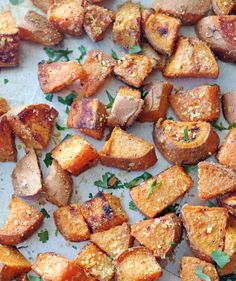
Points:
(155, 102)
(3, 106)
(157, 59)
(33, 124)
(23, 221)
(67, 16)
(113, 241)
(89, 116)
(128, 152)
(192, 58)
(132, 69)
(206, 229)
(189, 265)
(103, 212)
(185, 142)
(26, 176)
(75, 155)
(58, 185)
(199, 104)
(229, 106)
(154, 195)
(7, 142)
(159, 235)
(98, 66)
(37, 28)
(137, 264)
(161, 32)
(223, 7)
(228, 201)
(56, 76)
(126, 107)
(12, 263)
(43, 4)
(10, 41)
(95, 262)
(126, 28)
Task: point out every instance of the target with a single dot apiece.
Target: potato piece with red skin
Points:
(229, 106)
(43, 4)
(4, 107)
(228, 201)
(223, 7)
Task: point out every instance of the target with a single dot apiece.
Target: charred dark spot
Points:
(195, 129)
(162, 31)
(107, 210)
(190, 41)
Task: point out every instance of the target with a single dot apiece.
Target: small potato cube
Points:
(189, 265)
(192, 58)
(96, 21)
(126, 107)
(199, 104)
(229, 106)
(127, 25)
(3, 106)
(159, 235)
(228, 201)
(158, 61)
(56, 76)
(96, 263)
(75, 155)
(136, 264)
(103, 212)
(161, 32)
(10, 41)
(223, 7)
(98, 66)
(67, 16)
(89, 116)
(132, 69)
(155, 102)
(43, 4)
(71, 224)
(206, 229)
(113, 241)
(13, 263)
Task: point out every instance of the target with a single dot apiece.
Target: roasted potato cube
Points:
(114, 240)
(206, 229)
(136, 264)
(26, 176)
(219, 33)
(23, 221)
(158, 61)
(185, 142)
(189, 265)
(223, 7)
(192, 58)
(96, 21)
(228, 201)
(13, 263)
(103, 212)
(126, 107)
(214, 180)
(7, 142)
(132, 69)
(127, 24)
(56, 76)
(159, 235)
(145, 14)
(227, 153)
(33, 124)
(37, 28)
(154, 195)
(95, 262)
(98, 66)
(67, 16)
(155, 102)
(229, 106)
(10, 41)
(89, 116)
(58, 185)
(161, 32)
(3, 106)
(71, 224)
(43, 4)
(128, 152)
(75, 155)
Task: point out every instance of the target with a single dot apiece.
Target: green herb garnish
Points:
(67, 100)
(171, 209)
(202, 275)
(230, 277)
(56, 55)
(114, 55)
(90, 196)
(56, 232)
(83, 53)
(172, 243)
(189, 168)
(67, 136)
(145, 176)
(45, 213)
(221, 127)
(6, 81)
(34, 278)
(111, 100)
(48, 159)
(135, 49)
(153, 185)
(143, 93)
(16, 2)
(60, 128)
(22, 247)
(108, 181)
(49, 97)
(43, 236)
(186, 137)
(210, 204)
(132, 206)
(220, 258)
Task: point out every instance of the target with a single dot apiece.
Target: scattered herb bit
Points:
(144, 219)
(135, 49)
(43, 236)
(171, 209)
(22, 247)
(220, 258)
(189, 168)
(202, 275)
(132, 206)
(48, 159)
(172, 243)
(143, 93)
(153, 185)
(221, 127)
(233, 125)
(56, 232)
(186, 138)
(67, 100)
(210, 204)
(90, 196)
(56, 55)
(60, 128)
(83, 53)
(170, 118)
(114, 55)
(16, 2)
(67, 109)
(111, 100)
(145, 176)
(108, 181)
(34, 278)
(230, 277)
(49, 97)
(45, 213)
(6, 81)
(74, 247)
(67, 136)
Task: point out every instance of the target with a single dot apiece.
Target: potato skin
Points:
(228, 201)
(4, 107)
(218, 32)
(43, 4)
(229, 106)
(223, 7)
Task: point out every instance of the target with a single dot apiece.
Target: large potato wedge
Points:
(154, 195)
(188, 11)
(228, 201)
(219, 33)
(12, 263)
(43, 4)
(4, 107)
(23, 221)
(191, 58)
(136, 264)
(206, 229)
(229, 106)
(223, 7)
(185, 142)
(128, 152)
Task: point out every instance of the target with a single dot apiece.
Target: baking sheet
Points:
(23, 88)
